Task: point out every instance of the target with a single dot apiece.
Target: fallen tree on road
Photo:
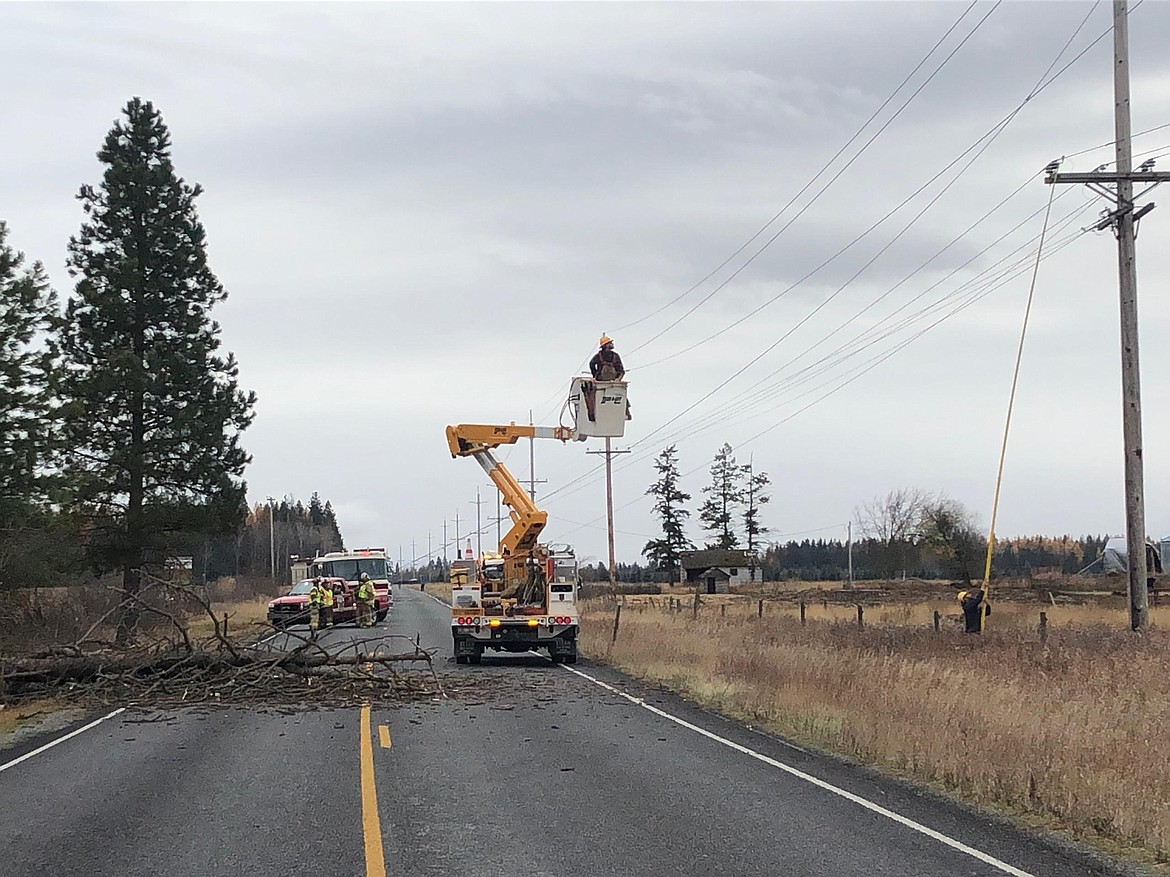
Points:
(173, 667)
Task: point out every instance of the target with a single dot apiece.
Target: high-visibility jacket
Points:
(326, 597)
(365, 592)
(315, 595)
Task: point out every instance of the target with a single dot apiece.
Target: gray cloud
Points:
(427, 213)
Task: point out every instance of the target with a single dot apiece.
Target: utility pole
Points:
(609, 454)
(532, 479)
(445, 537)
(849, 543)
(272, 538)
(413, 561)
(458, 544)
(478, 525)
(1118, 188)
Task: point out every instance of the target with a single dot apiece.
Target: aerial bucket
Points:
(599, 408)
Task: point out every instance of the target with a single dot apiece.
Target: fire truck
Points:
(349, 565)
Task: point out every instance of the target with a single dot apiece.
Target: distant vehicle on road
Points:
(293, 607)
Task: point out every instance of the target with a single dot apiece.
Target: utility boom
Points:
(478, 440)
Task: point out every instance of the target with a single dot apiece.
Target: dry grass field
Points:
(442, 590)
(1069, 734)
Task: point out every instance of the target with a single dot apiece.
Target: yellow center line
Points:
(384, 736)
(371, 825)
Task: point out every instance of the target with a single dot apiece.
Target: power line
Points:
(810, 182)
(993, 133)
(822, 190)
(817, 176)
(867, 367)
(994, 282)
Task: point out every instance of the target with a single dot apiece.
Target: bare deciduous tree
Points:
(893, 521)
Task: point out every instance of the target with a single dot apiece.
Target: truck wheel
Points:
(382, 615)
(554, 657)
(476, 656)
(571, 659)
(461, 659)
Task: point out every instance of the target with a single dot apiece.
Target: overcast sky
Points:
(426, 214)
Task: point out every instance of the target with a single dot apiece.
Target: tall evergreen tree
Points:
(28, 360)
(754, 485)
(665, 553)
(152, 408)
(724, 496)
(329, 519)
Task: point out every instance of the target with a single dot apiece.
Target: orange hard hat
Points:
(605, 339)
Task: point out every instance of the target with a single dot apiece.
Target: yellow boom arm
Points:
(478, 440)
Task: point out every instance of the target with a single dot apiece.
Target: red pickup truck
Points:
(293, 607)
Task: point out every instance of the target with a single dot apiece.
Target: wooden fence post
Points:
(860, 616)
(1043, 628)
(617, 620)
(722, 610)
(803, 608)
(760, 609)
(695, 608)
(937, 621)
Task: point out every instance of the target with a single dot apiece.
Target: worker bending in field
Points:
(315, 598)
(975, 608)
(365, 601)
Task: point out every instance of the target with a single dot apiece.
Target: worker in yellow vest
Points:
(326, 604)
(365, 601)
(315, 598)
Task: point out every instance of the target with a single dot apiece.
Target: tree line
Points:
(907, 532)
(120, 413)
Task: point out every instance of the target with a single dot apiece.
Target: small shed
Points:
(715, 580)
(732, 562)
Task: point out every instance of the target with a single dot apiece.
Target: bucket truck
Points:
(528, 598)
(525, 596)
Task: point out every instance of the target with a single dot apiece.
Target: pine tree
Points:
(329, 520)
(28, 360)
(665, 553)
(724, 496)
(152, 409)
(754, 485)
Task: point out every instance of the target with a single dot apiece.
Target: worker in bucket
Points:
(974, 609)
(606, 365)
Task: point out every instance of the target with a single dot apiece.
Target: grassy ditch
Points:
(1069, 733)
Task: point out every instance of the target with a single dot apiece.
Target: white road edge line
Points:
(52, 743)
(809, 778)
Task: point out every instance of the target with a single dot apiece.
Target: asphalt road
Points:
(536, 770)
